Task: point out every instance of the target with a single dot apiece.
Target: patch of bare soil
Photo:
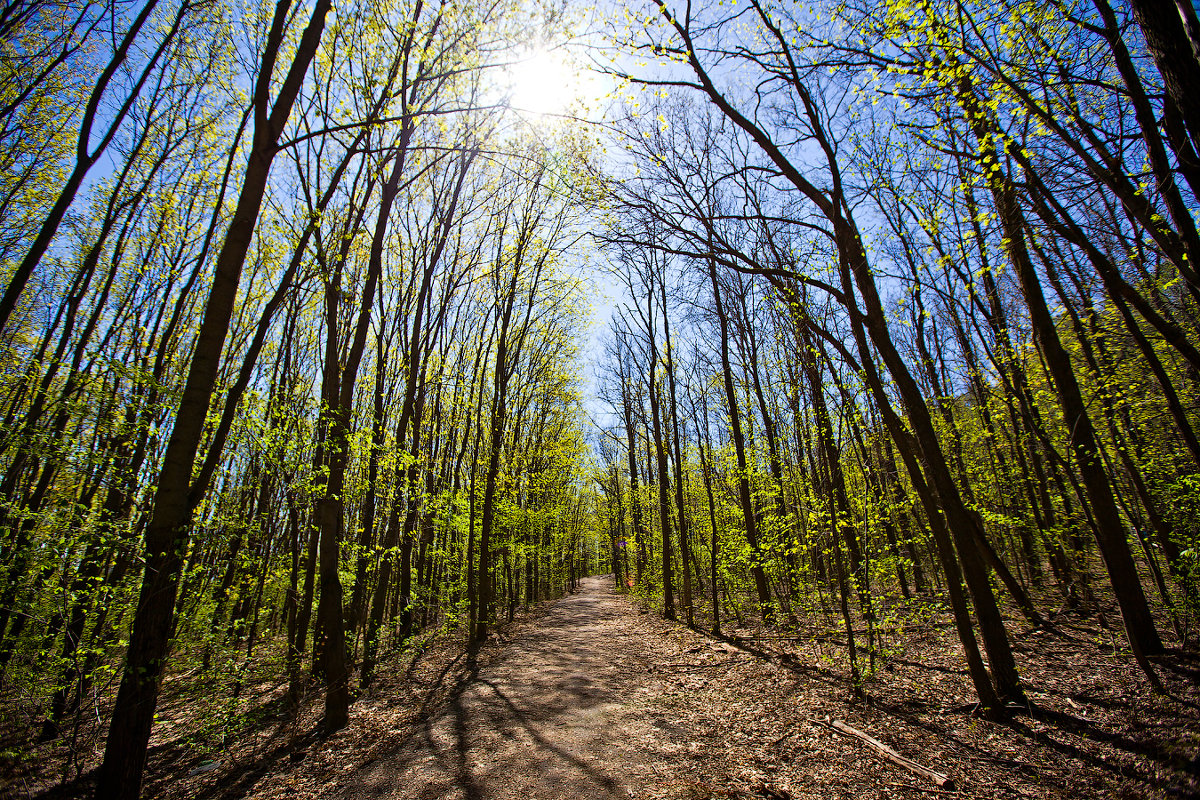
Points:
(588, 698)
(564, 711)
(564, 704)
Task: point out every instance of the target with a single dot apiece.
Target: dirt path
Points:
(562, 712)
(588, 698)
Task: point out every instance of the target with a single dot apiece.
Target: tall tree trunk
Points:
(1171, 32)
(739, 445)
(1085, 446)
(664, 497)
(166, 535)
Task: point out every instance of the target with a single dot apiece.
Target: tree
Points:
(176, 497)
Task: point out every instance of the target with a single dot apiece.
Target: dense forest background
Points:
(906, 319)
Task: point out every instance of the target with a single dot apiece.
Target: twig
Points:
(682, 665)
(942, 781)
(921, 788)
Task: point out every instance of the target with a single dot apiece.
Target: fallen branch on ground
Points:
(942, 781)
(925, 789)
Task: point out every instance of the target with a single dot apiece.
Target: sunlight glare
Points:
(544, 83)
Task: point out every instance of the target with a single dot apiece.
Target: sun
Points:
(544, 82)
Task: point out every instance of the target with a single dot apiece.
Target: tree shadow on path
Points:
(542, 719)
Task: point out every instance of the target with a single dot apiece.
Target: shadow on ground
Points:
(548, 718)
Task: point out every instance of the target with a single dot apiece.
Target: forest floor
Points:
(591, 697)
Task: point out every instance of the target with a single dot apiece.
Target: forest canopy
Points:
(295, 334)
